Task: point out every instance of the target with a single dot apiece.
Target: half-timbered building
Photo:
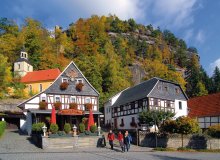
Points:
(71, 86)
(121, 111)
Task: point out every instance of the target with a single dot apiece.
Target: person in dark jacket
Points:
(121, 140)
(111, 138)
(127, 141)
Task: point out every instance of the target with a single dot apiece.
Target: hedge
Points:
(2, 127)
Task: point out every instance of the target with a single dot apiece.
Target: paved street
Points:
(14, 146)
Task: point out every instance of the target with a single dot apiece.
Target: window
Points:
(166, 88)
(43, 99)
(177, 90)
(30, 88)
(168, 104)
(57, 99)
(132, 105)
(64, 80)
(121, 108)
(40, 88)
(73, 99)
(155, 102)
(79, 80)
(19, 66)
(180, 105)
(140, 103)
(88, 100)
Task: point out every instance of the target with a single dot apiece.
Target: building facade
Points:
(35, 81)
(206, 109)
(56, 94)
(121, 111)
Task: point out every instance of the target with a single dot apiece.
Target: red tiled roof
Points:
(41, 75)
(204, 106)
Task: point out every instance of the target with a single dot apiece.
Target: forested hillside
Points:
(113, 54)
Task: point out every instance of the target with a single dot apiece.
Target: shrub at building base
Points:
(2, 127)
(214, 131)
(67, 128)
(54, 128)
(82, 128)
(93, 128)
(37, 128)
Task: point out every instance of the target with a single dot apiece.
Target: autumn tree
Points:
(216, 79)
(5, 76)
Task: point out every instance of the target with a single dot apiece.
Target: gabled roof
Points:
(142, 90)
(88, 89)
(137, 92)
(41, 75)
(208, 105)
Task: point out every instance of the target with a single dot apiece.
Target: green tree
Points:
(186, 126)
(154, 117)
(5, 76)
(216, 79)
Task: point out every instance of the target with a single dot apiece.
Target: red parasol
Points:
(91, 119)
(53, 116)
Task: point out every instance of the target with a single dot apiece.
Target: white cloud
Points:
(213, 65)
(200, 37)
(188, 34)
(174, 13)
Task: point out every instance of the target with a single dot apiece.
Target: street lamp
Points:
(74, 130)
(44, 130)
(99, 130)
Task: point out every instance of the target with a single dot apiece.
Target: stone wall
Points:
(175, 141)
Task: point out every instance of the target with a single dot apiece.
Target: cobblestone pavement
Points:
(17, 147)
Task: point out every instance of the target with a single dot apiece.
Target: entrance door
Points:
(115, 123)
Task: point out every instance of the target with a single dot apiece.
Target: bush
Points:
(54, 128)
(37, 127)
(169, 126)
(57, 105)
(2, 127)
(214, 131)
(43, 105)
(79, 86)
(64, 85)
(67, 128)
(93, 128)
(73, 106)
(88, 106)
(82, 127)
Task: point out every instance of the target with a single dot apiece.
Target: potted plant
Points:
(79, 86)
(54, 128)
(57, 105)
(82, 127)
(64, 85)
(93, 128)
(67, 128)
(88, 106)
(43, 105)
(73, 106)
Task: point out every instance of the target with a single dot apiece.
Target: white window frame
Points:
(88, 98)
(79, 79)
(71, 99)
(65, 80)
(56, 98)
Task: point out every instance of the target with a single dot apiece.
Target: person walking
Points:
(121, 140)
(127, 141)
(111, 138)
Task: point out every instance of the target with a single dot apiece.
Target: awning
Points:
(70, 112)
(37, 111)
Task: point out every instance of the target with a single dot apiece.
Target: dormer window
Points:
(43, 99)
(79, 80)
(64, 80)
(166, 88)
(177, 90)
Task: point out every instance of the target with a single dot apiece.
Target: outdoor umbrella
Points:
(53, 116)
(91, 120)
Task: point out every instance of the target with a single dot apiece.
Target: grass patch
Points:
(164, 149)
(185, 149)
(209, 150)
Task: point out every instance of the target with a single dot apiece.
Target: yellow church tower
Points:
(22, 65)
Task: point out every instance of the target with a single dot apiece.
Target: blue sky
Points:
(196, 21)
